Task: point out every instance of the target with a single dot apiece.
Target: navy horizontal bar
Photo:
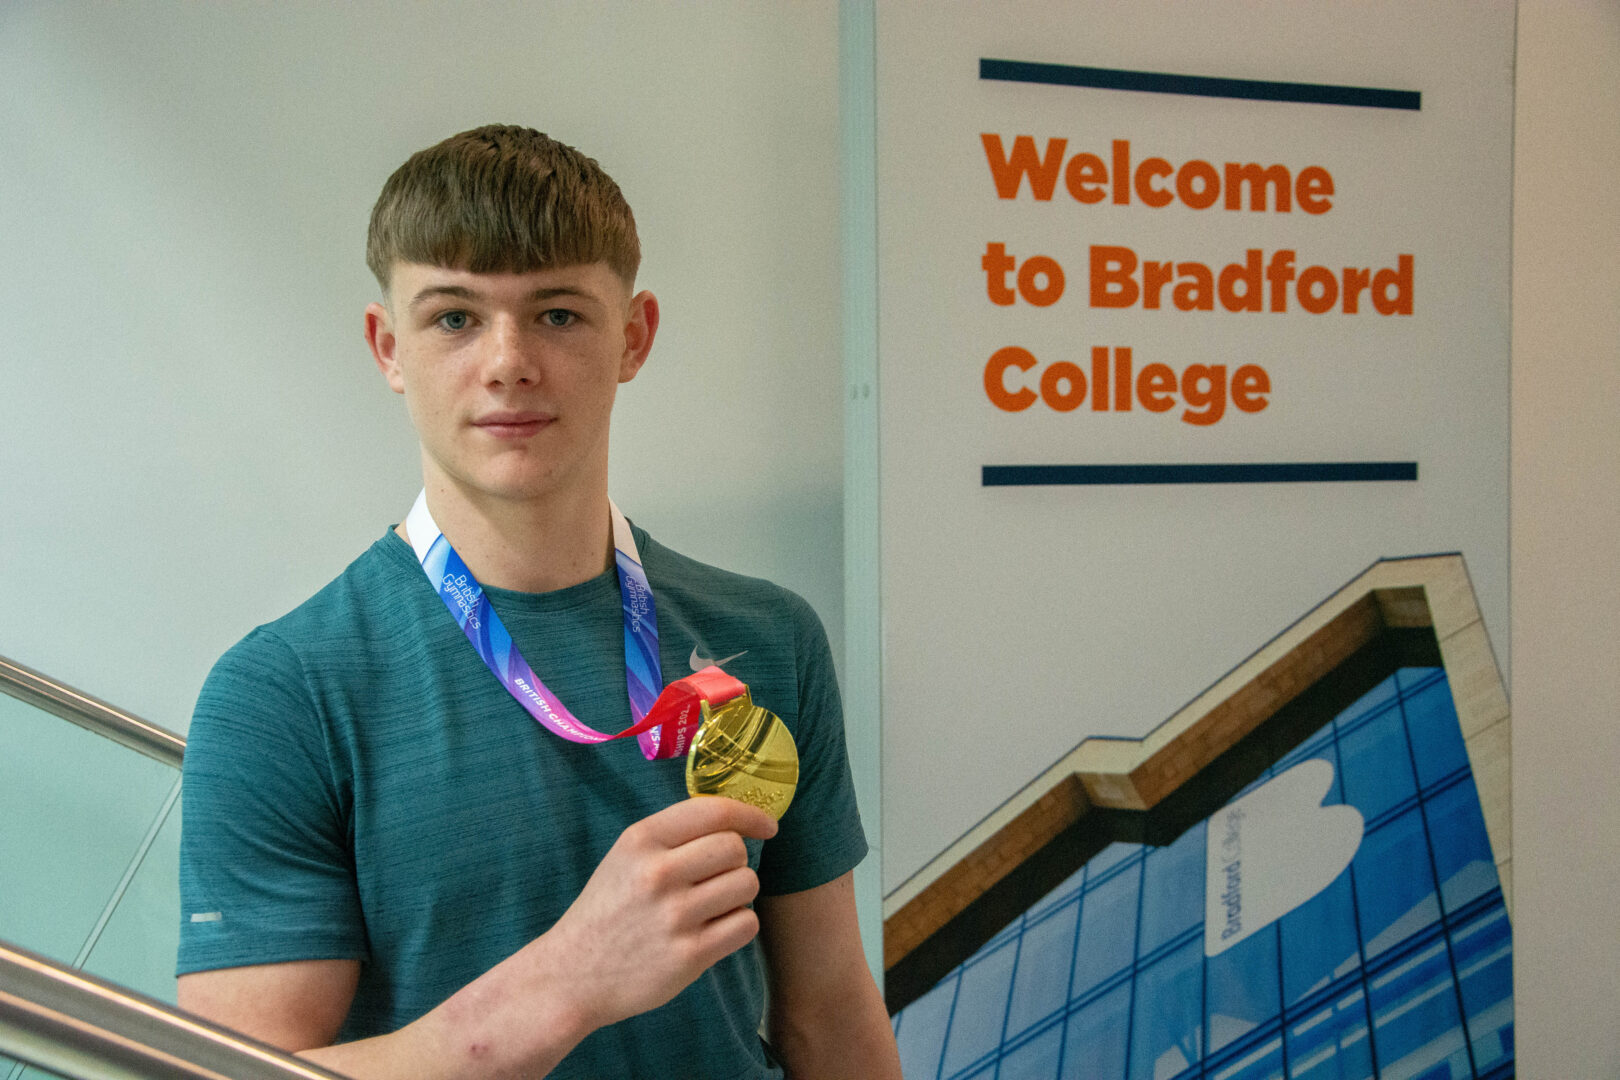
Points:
(1288, 472)
(1153, 82)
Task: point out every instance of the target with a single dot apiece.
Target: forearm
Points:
(827, 1017)
(500, 1025)
(846, 1036)
(434, 1049)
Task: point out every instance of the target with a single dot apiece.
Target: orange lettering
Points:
(1112, 285)
(1155, 276)
(1246, 274)
(1311, 188)
(1198, 184)
(1354, 281)
(1122, 378)
(1257, 178)
(1156, 388)
(1099, 379)
(1145, 174)
(1037, 266)
(1211, 402)
(1085, 177)
(1401, 280)
(996, 263)
(1203, 389)
(1248, 383)
(1196, 292)
(1280, 271)
(995, 376)
(1060, 372)
(1008, 170)
(1310, 299)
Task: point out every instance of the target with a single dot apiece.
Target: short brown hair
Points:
(501, 199)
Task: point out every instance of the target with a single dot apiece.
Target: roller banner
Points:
(1188, 315)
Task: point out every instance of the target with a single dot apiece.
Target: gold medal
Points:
(745, 753)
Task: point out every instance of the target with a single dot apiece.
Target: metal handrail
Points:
(92, 713)
(80, 1026)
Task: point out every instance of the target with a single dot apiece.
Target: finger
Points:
(687, 820)
(708, 855)
(719, 895)
(723, 936)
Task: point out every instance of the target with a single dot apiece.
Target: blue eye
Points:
(558, 317)
(454, 320)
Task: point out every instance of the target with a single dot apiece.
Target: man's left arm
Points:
(827, 1017)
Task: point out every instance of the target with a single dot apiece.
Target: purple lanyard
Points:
(644, 681)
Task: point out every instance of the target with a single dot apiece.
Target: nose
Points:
(509, 359)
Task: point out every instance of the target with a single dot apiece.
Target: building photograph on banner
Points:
(1193, 356)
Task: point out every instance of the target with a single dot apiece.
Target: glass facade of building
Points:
(1400, 968)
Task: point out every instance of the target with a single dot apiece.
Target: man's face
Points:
(510, 378)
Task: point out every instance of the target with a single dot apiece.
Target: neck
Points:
(529, 545)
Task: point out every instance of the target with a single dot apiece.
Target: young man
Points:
(386, 863)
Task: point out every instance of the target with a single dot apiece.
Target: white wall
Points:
(192, 436)
(1566, 540)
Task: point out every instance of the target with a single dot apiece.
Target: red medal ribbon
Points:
(680, 708)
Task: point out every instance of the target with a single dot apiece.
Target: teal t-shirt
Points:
(359, 786)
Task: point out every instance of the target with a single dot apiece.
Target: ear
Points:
(639, 331)
(380, 337)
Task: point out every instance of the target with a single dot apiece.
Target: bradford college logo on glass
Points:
(1273, 849)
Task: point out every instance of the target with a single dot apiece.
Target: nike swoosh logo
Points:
(699, 663)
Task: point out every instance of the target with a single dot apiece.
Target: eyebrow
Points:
(461, 292)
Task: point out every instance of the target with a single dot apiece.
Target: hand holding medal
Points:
(733, 747)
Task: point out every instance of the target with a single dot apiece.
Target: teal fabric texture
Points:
(357, 785)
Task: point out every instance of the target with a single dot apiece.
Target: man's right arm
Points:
(668, 900)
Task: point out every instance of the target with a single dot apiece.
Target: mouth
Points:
(510, 424)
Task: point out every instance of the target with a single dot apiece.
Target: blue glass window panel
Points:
(1483, 954)
(1408, 677)
(1036, 1059)
(1005, 933)
(981, 1006)
(1095, 1046)
(1331, 1043)
(1109, 857)
(1241, 989)
(1462, 850)
(1416, 1029)
(1437, 742)
(1107, 929)
(1376, 766)
(1166, 1028)
(922, 1030)
(1041, 984)
(1394, 883)
(1319, 941)
(1063, 892)
(1264, 1062)
(1377, 698)
(1172, 890)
